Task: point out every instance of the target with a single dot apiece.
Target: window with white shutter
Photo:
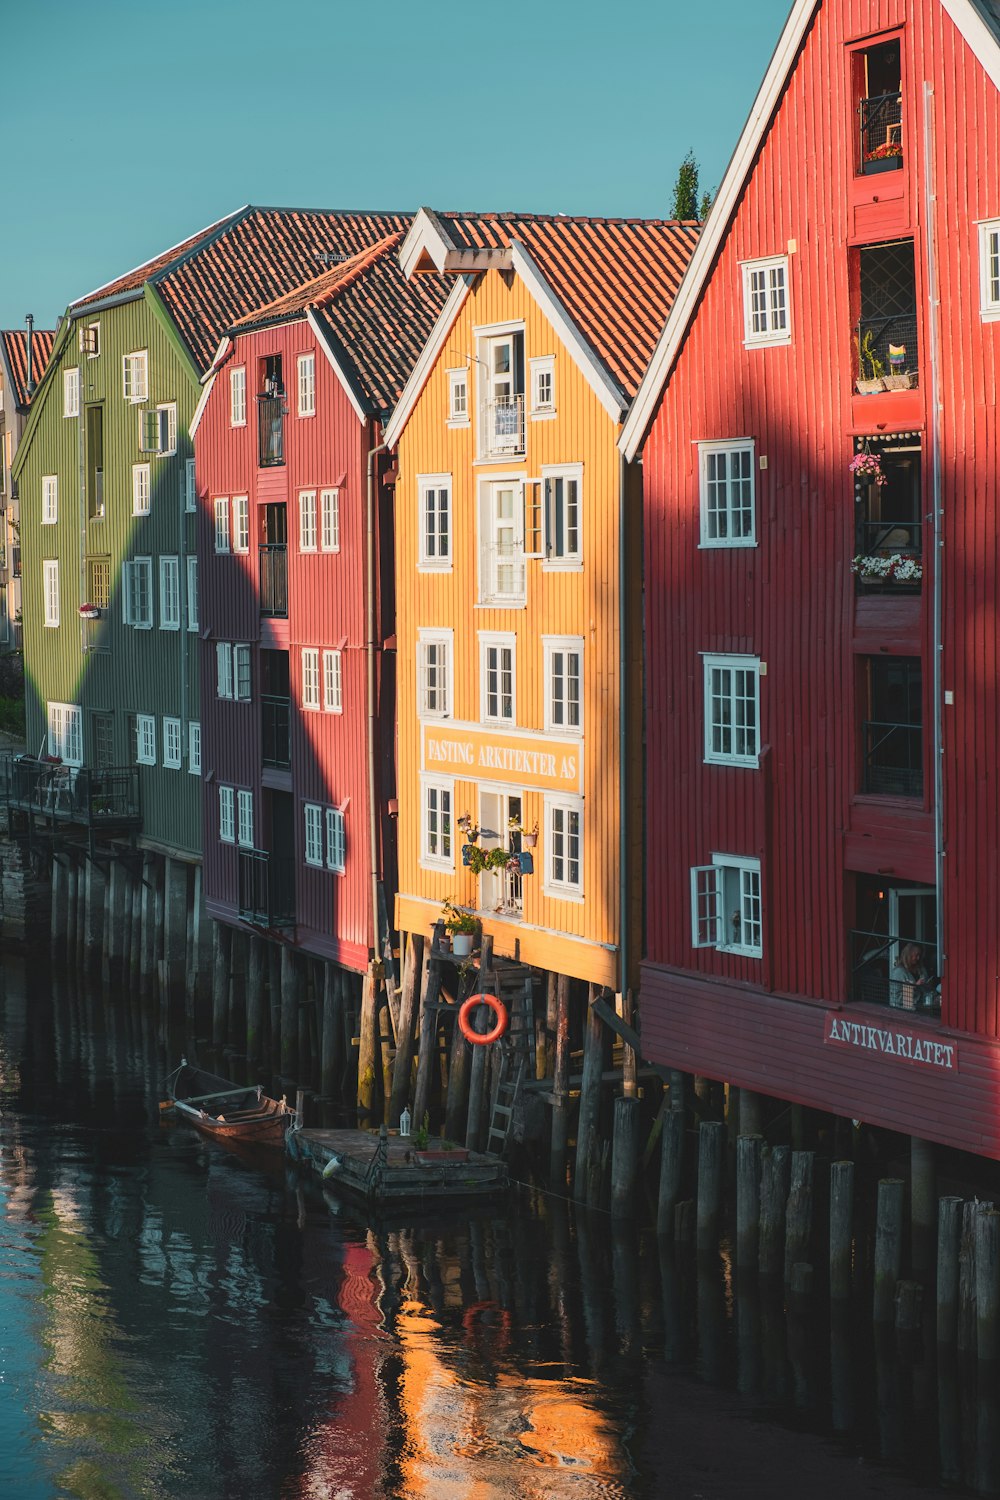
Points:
(223, 669)
(330, 520)
(238, 396)
(244, 808)
(194, 748)
(726, 906)
(192, 593)
(310, 677)
(307, 385)
(140, 489)
(336, 840)
(172, 744)
(65, 733)
(71, 393)
(307, 520)
(332, 682)
(241, 523)
(170, 594)
(314, 833)
(135, 384)
(137, 593)
(145, 725)
(227, 815)
(220, 506)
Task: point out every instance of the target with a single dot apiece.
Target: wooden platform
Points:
(391, 1171)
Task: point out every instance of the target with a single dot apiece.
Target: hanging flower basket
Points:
(867, 465)
(899, 567)
(90, 612)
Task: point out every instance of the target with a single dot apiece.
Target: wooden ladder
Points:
(513, 986)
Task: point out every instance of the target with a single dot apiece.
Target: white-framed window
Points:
(458, 398)
(71, 393)
(501, 536)
(227, 815)
(307, 520)
(436, 825)
(170, 593)
(336, 840)
(223, 669)
(726, 487)
(50, 499)
(497, 678)
(241, 523)
(135, 376)
(564, 845)
(434, 491)
(989, 270)
(732, 710)
(726, 911)
(329, 506)
(434, 664)
(141, 489)
(158, 429)
(50, 585)
(90, 339)
(220, 507)
(766, 316)
(137, 593)
(238, 396)
(500, 367)
(563, 501)
(188, 487)
(313, 815)
(241, 673)
(145, 739)
(310, 677)
(172, 744)
(65, 737)
(306, 367)
(192, 593)
(333, 682)
(542, 386)
(244, 819)
(232, 671)
(194, 748)
(563, 662)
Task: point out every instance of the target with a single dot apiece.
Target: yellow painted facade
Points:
(528, 767)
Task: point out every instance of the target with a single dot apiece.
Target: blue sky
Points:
(141, 123)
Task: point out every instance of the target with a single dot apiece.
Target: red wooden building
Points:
(822, 700)
(295, 602)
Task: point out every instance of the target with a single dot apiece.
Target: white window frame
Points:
(329, 512)
(227, 814)
(440, 640)
(489, 527)
(189, 487)
(71, 392)
(493, 386)
(170, 593)
(50, 499)
(459, 409)
(333, 682)
(307, 521)
(131, 571)
(434, 493)
(142, 489)
(310, 679)
(171, 744)
(224, 685)
(312, 817)
(541, 410)
(242, 672)
(89, 338)
(772, 332)
(50, 592)
(568, 561)
(194, 747)
(499, 642)
(241, 523)
(162, 441)
(305, 370)
(65, 732)
(244, 818)
(714, 888)
(728, 448)
(565, 890)
(731, 702)
(192, 593)
(135, 376)
(145, 739)
(238, 396)
(432, 858)
(223, 535)
(336, 840)
(553, 645)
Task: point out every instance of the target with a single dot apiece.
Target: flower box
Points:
(883, 164)
(899, 568)
(870, 387)
(89, 612)
(902, 382)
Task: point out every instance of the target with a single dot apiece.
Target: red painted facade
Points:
(840, 846)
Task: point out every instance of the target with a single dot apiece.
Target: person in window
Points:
(910, 985)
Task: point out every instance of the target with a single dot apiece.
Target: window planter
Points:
(870, 387)
(882, 164)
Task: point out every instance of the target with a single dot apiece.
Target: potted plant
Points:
(899, 567)
(870, 367)
(469, 828)
(529, 836)
(478, 860)
(89, 612)
(867, 465)
(462, 927)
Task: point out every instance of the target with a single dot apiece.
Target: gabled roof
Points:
(247, 261)
(15, 357)
(979, 23)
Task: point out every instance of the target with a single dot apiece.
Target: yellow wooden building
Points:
(519, 583)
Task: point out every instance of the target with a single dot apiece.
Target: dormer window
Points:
(878, 89)
(501, 372)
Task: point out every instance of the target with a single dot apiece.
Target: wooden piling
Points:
(256, 963)
(367, 1050)
(748, 1158)
(479, 1059)
(966, 1339)
(430, 994)
(560, 1089)
(751, 1113)
(987, 1283)
(671, 1167)
(711, 1145)
(888, 1247)
(948, 1238)
(684, 1222)
(175, 929)
(923, 1205)
(93, 941)
(775, 1167)
(135, 943)
(332, 1047)
(841, 1228)
(625, 1157)
(401, 1077)
(798, 1212)
(590, 1097)
(222, 938)
(150, 954)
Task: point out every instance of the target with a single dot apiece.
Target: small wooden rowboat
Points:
(221, 1109)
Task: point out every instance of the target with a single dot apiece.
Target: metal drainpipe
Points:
(376, 873)
(933, 310)
(622, 737)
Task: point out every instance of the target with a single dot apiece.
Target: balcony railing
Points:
(274, 580)
(893, 343)
(266, 888)
(276, 721)
(875, 957)
(894, 765)
(71, 794)
(503, 426)
(881, 121)
(270, 431)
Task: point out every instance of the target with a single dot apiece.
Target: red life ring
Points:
(482, 1038)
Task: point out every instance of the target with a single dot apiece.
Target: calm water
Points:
(177, 1322)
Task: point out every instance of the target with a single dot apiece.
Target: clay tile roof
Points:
(616, 278)
(15, 345)
(321, 288)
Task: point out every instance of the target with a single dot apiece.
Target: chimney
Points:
(29, 384)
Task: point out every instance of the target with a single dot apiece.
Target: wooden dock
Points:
(386, 1169)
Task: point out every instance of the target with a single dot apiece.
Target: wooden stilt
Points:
(560, 1089)
(773, 1198)
(748, 1154)
(751, 1112)
(222, 940)
(289, 1014)
(711, 1146)
(987, 1284)
(367, 1055)
(966, 1339)
(625, 1158)
(923, 1205)
(888, 1247)
(256, 963)
(479, 1059)
(798, 1213)
(457, 1098)
(175, 928)
(590, 1100)
(388, 1027)
(671, 1166)
(135, 944)
(841, 1228)
(413, 959)
(151, 875)
(72, 910)
(96, 896)
(331, 1060)
(430, 994)
(949, 1236)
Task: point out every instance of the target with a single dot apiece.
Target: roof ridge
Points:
(186, 247)
(361, 263)
(308, 293)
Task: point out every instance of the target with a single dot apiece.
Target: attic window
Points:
(878, 89)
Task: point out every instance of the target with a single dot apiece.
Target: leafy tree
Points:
(707, 199)
(686, 189)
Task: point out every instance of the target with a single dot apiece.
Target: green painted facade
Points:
(113, 670)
